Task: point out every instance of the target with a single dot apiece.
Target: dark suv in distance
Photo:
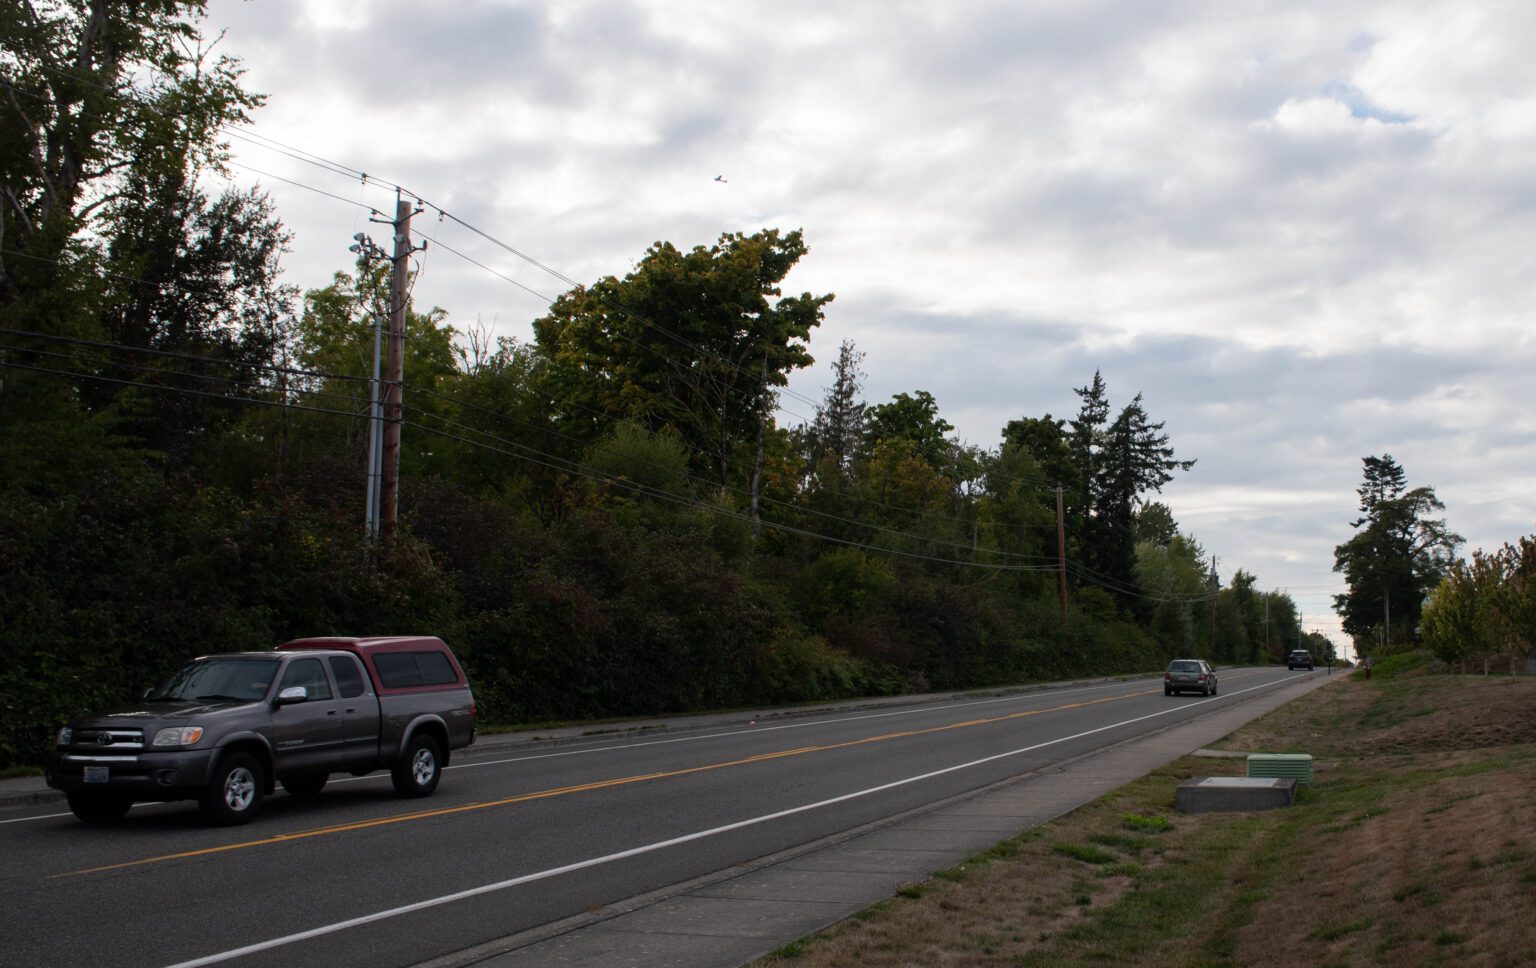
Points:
(1190, 674)
(1299, 659)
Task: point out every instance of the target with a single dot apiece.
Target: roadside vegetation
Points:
(1415, 846)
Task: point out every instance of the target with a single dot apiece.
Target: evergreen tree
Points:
(835, 439)
(1397, 555)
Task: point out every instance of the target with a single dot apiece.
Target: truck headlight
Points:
(178, 736)
(66, 736)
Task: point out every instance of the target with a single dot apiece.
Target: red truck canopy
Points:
(395, 663)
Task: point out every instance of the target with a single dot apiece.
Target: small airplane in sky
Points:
(720, 179)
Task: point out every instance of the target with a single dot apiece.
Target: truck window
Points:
(349, 678)
(310, 674)
(402, 670)
(436, 670)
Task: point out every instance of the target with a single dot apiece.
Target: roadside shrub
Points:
(1416, 663)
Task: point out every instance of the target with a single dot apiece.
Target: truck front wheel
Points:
(418, 770)
(98, 808)
(234, 793)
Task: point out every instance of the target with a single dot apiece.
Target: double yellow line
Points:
(595, 785)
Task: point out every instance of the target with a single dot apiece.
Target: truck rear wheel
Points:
(417, 771)
(307, 785)
(234, 791)
(98, 807)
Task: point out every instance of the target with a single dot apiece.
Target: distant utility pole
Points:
(1215, 590)
(1266, 624)
(1061, 553)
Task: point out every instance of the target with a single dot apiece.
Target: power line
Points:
(690, 502)
(311, 188)
(553, 462)
(98, 344)
(561, 464)
(736, 491)
(603, 416)
(170, 389)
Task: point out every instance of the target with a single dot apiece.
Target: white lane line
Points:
(46, 816)
(250, 949)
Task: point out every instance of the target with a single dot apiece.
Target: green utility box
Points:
(1288, 766)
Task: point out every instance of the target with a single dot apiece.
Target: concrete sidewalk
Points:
(30, 790)
(729, 918)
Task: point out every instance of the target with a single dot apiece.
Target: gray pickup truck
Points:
(226, 728)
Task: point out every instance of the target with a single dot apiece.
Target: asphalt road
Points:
(517, 837)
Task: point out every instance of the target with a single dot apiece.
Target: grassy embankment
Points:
(1416, 846)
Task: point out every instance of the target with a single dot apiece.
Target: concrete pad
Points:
(1214, 794)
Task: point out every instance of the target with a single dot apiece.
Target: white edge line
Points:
(234, 953)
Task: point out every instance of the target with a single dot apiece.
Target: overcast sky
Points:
(1303, 230)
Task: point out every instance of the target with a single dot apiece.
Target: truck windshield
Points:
(214, 680)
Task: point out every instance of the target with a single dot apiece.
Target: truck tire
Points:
(420, 767)
(98, 807)
(234, 791)
(307, 785)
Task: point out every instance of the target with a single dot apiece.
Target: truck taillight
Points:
(473, 713)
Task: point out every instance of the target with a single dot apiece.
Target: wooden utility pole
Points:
(1061, 553)
(389, 473)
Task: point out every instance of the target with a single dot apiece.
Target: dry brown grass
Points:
(1416, 846)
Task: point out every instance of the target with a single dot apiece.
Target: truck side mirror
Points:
(292, 695)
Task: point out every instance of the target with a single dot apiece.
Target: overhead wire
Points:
(556, 463)
(726, 512)
(735, 490)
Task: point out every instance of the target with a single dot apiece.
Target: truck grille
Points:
(93, 740)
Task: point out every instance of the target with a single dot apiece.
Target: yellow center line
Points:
(594, 785)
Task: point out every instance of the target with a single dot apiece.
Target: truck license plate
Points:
(95, 774)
